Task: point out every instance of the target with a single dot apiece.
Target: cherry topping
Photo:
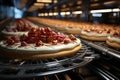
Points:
(23, 43)
(15, 38)
(66, 41)
(23, 37)
(72, 37)
(10, 41)
(9, 29)
(40, 43)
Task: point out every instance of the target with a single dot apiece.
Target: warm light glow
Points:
(38, 4)
(46, 1)
(109, 2)
(50, 14)
(77, 12)
(46, 14)
(116, 10)
(95, 4)
(101, 11)
(79, 2)
(55, 13)
(96, 15)
(62, 13)
(67, 13)
(105, 10)
(40, 14)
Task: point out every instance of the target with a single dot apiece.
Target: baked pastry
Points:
(114, 40)
(40, 43)
(18, 27)
(94, 34)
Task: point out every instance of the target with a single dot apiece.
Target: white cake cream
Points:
(40, 43)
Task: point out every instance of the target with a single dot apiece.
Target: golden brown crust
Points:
(40, 56)
(94, 38)
(113, 44)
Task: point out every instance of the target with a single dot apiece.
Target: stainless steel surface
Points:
(104, 48)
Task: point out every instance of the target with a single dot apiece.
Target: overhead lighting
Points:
(67, 13)
(109, 2)
(116, 10)
(105, 10)
(94, 4)
(97, 15)
(101, 11)
(40, 14)
(45, 1)
(38, 4)
(51, 14)
(77, 12)
(62, 13)
(79, 2)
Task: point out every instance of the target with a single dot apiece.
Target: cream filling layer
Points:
(43, 49)
(14, 33)
(113, 39)
(94, 34)
(77, 30)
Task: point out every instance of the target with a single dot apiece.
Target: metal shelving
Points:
(32, 68)
(104, 48)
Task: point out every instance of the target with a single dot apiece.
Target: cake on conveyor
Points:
(39, 43)
(114, 39)
(95, 34)
(18, 27)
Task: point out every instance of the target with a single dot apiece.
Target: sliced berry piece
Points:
(24, 37)
(31, 40)
(72, 37)
(60, 39)
(10, 41)
(23, 43)
(40, 43)
(15, 38)
(54, 42)
(9, 30)
(14, 29)
(66, 41)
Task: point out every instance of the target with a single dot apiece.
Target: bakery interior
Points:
(94, 61)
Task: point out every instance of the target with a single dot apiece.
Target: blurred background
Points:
(95, 11)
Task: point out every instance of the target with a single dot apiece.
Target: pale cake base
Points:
(15, 55)
(113, 44)
(94, 38)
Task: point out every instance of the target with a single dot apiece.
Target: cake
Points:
(40, 43)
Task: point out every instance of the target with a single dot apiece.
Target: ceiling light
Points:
(46, 1)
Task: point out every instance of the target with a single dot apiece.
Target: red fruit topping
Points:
(66, 41)
(23, 43)
(9, 30)
(48, 30)
(60, 39)
(33, 30)
(54, 42)
(14, 29)
(72, 37)
(23, 37)
(40, 43)
(42, 31)
(10, 41)
(15, 38)
(53, 33)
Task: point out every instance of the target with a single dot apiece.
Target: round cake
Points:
(39, 43)
(95, 34)
(18, 27)
(114, 40)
